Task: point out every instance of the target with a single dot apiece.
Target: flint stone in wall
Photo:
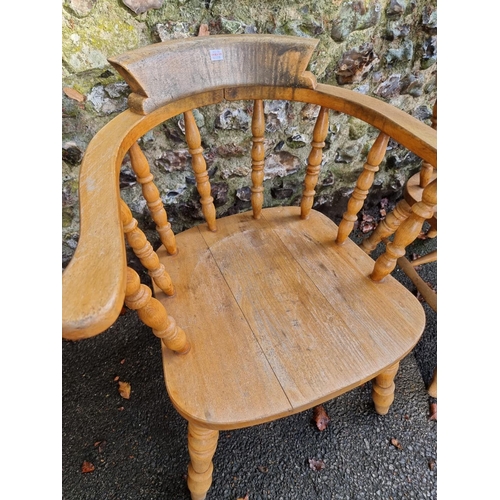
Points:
(173, 161)
(232, 27)
(356, 64)
(429, 19)
(176, 192)
(389, 87)
(174, 30)
(396, 30)
(102, 101)
(412, 85)
(281, 193)
(140, 6)
(127, 178)
(296, 141)
(234, 119)
(396, 8)
(422, 113)
(244, 193)
(276, 113)
(229, 150)
(71, 153)
(348, 153)
(430, 52)
(219, 192)
(280, 165)
(402, 53)
(310, 112)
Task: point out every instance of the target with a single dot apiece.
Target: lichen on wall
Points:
(383, 48)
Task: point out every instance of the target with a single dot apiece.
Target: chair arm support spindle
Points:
(151, 194)
(258, 152)
(406, 233)
(387, 227)
(363, 185)
(199, 164)
(152, 313)
(144, 251)
(314, 162)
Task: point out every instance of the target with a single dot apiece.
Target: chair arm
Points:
(93, 284)
(411, 133)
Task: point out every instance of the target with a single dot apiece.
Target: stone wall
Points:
(383, 48)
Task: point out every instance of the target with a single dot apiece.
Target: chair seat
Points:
(282, 316)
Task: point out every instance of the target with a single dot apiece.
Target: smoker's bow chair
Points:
(276, 310)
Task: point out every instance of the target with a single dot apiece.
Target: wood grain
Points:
(159, 73)
(282, 317)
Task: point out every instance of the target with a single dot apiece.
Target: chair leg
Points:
(202, 443)
(432, 390)
(383, 389)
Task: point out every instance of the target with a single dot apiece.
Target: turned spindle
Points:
(202, 443)
(387, 227)
(407, 232)
(199, 165)
(314, 162)
(140, 166)
(152, 313)
(363, 185)
(258, 151)
(144, 251)
(383, 389)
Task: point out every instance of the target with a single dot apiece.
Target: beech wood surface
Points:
(387, 227)
(281, 316)
(140, 166)
(152, 313)
(199, 165)
(406, 232)
(144, 251)
(314, 162)
(383, 389)
(363, 185)
(425, 259)
(202, 443)
(258, 154)
(190, 66)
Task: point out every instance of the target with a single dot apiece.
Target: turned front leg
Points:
(383, 389)
(202, 443)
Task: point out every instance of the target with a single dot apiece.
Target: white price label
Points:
(216, 55)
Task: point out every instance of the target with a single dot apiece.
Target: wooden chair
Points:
(276, 310)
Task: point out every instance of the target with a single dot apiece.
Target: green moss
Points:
(357, 128)
(67, 217)
(88, 42)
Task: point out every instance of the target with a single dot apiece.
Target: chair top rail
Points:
(94, 281)
(197, 64)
